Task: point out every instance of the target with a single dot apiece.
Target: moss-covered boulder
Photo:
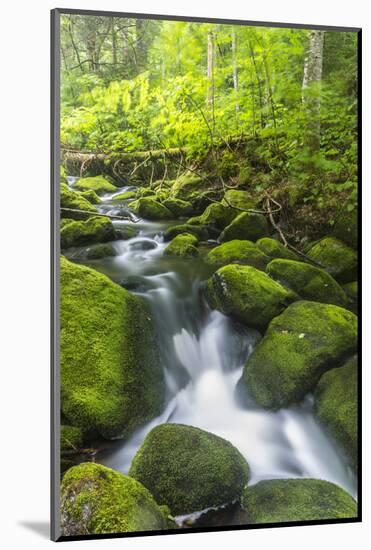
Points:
(184, 245)
(310, 282)
(216, 215)
(91, 196)
(246, 226)
(97, 500)
(145, 192)
(238, 199)
(302, 343)
(189, 469)
(71, 201)
(351, 290)
(178, 207)
(346, 228)
(188, 186)
(237, 252)
(126, 231)
(247, 294)
(336, 404)
(126, 195)
(71, 438)
(150, 209)
(97, 229)
(99, 184)
(287, 500)
(111, 378)
(275, 249)
(336, 257)
(199, 232)
(100, 251)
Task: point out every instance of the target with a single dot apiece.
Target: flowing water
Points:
(203, 353)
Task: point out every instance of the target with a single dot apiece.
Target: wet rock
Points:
(98, 500)
(184, 245)
(150, 209)
(100, 251)
(72, 200)
(178, 207)
(99, 184)
(199, 232)
(275, 249)
(336, 257)
(97, 229)
(237, 252)
(246, 226)
(189, 469)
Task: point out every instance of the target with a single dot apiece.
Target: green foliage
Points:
(189, 469)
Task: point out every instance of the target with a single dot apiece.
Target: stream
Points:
(203, 354)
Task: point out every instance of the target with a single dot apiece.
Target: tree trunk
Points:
(235, 68)
(311, 92)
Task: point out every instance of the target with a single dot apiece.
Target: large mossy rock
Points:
(238, 199)
(150, 209)
(73, 200)
(188, 186)
(275, 249)
(97, 500)
(199, 232)
(184, 246)
(215, 215)
(246, 226)
(336, 257)
(178, 207)
(302, 343)
(237, 252)
(346, 228)
(247, 294)
(99, 184)
(336, 404)
(111, 378)
(98, 229)
(189, 469)
(311, 283)
(287, 500)
(91, 196)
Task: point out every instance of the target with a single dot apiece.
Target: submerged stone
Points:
(302, 343)
(287, 500)
(247, 294)
(111, 378)
(336, 405)
(97, 500)
(100, 251)
(189, 469)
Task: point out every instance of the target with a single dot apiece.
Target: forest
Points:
(208, 201)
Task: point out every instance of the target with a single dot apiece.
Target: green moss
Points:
(337, 258)
(91, 196)
(336, 404)
(99, 184)
(71, 438)
(346, 228)
(98, 500)
(94, 230)
(351, 290)
(274, 249)
(62, 174)
(302, 343)
(125, 196)
(187, 186)
(75, 201)
(199, 232)
(65, 221)
(216, 215)
(310, 282)
(286, 500)
(238, 199)
(239, 252)
(178, 207)
(145, 192)
(150, 209)
(246, 226)
(111, 378)
(100, 251)
(189, 469)
(184, 245)
(247, 294)
(162, 194)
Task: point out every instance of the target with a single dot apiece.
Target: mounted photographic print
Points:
(205, 178)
